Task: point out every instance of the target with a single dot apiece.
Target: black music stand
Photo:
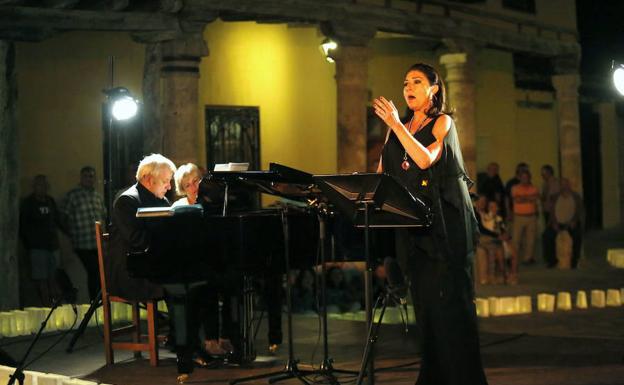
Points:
(373, 201)
(295, 185)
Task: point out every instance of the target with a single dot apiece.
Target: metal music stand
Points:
(373, 201)
(295, 185)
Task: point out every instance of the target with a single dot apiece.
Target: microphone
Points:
(397, 285)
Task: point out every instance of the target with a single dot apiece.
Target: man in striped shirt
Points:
(81, 207)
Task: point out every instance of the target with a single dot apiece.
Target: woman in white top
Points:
(187, 178)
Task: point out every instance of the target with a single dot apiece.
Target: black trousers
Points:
(89, 259)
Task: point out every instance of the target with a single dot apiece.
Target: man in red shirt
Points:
(524, 198)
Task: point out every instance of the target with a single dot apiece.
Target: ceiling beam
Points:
(22, 18)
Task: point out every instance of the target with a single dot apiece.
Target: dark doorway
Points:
(592, 166)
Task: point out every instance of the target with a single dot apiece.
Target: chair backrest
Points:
(101, 239)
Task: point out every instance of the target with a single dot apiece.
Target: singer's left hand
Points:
(387, 112)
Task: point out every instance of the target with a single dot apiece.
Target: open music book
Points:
(143, 212)
(231, 167)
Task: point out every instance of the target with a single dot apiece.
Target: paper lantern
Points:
(564, 301)
(598, 298)
(545, 303)
(614, 298)
(523, 304)
(508, 305)
(581, 299)
(494, 306)
(483, 308)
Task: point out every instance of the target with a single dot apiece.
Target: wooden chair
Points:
(152, 325)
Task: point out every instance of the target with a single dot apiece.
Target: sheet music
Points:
(231, 167)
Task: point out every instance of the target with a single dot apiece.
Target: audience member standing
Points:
(524, 197)
(550, 189)
(492, 186)
(82, 207)
(39, 221)
(520, 167)
(567, 215)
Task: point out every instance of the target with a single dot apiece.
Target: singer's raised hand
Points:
(387, 112)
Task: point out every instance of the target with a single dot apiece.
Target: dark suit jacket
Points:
(130, 234)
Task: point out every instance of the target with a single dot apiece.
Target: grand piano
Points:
(191, 245)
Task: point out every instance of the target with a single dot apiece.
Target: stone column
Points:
(180, 74)
(351, 58)
(352, 99)
(152, 127)
(566, 87)
(9, 194)
(461, 95)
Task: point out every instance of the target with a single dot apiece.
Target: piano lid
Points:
(279, 180)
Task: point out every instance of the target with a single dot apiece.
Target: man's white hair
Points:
(152, 165)
(183, 173)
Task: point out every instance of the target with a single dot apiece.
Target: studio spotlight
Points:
(327, 46)
(618, 76)
(123, 106)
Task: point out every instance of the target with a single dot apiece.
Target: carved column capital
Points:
(566, 64)
(566, 85)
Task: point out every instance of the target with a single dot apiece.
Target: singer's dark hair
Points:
(438, 103)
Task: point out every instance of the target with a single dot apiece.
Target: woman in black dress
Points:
(425, 156)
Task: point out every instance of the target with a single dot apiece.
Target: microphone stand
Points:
(18, 374)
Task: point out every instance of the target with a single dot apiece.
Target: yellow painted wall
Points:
(273, 66)
(281, 70)
(495, 111)
(508, 133)
(60, 82)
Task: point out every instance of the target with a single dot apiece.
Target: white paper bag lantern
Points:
(524, 304)
(581, 299)
(564, 301)
(483, 308)
(598, 298)
(614, 298)
(546, 303)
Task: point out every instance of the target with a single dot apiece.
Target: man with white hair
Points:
(128, 233)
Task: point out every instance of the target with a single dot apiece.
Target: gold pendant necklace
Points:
(405, 165)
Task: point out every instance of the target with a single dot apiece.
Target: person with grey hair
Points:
(187, 178)
(129, 234)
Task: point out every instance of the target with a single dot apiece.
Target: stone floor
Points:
(583, 347)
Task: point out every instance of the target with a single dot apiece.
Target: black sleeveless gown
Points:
(440, 260)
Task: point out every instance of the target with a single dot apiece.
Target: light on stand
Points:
(124, 108)
(618, 77)
(121, 106)
(327, 46)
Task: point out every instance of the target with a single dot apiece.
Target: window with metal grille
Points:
(233, 135)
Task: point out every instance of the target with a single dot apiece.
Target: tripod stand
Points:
(291, 369)
(18, 374)
(95, 303)
(371, 339)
